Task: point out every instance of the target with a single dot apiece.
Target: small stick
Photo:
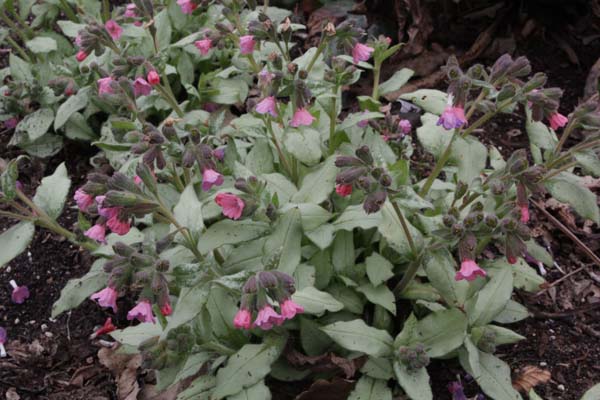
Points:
(570, 234)
(556, 282)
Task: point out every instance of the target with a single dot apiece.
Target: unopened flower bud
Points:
(374, 202)
(508, 224)
(292, 68)
(448, 220)
(123, 249)
(347, 161)
(365, 183)
(162, 265)
(267, 280)
(458, 229)
(169, 132)
(497, 187)
(364, 154)
(118, 198)
(241, 185)
(302, 74)
(519, 166)
(470, 220)
(141, 260)
(350, 175)
(385, 180)
(329, 29)
(491, 221)
(461, 189)
(250, 285)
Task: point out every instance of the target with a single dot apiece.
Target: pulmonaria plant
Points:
(244, 211)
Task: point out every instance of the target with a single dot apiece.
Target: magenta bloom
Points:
(405, 126)
(131, 11)
(107, 297)
(452, 118)
(267, 317)
(153, 78)
(343, 190)
(557, 120)
(265, 77)
(211, 178)
(247, 44)
(469, 270)
(106, 212)
(187, 6)
(524, 213)
(219, 153)
(511, 259)
(78, 40)
(361, 52)
(166, 310)
(108, 327)
(11, 123)
(19, 293)
(104, 86)
(267, 105)
(203, 46)
(137, 180)
(141, 87)
(113, 29)
(142, 312)
(289, 309)
(83, 200)
(97, 233)
(301, 118)
(81, 55)
(243, 319)
(118, 226)
(231, 204)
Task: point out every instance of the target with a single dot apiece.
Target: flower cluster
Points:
(257, 296)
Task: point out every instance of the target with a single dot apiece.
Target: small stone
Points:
(17, 320)
(8, 269)
(48, 334)
(543, 364)
(552, 337)
(32, 322)
(89, 360)
(561, 387)
(44, 327)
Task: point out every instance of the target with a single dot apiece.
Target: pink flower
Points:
(107, 297)
(361, 52)
(137, 180)
(97, 233)
(219, 153)
(343, 190)
(118, 226)
(363, 123)
(141, 87)
(289, 309)
(83, 199)
(211, 178)
(131, 11)
(104, 86)
(265, 77)
(153, 78)
(267, 105)
(187, 6)
(243, 319)
(557, 120)
(524, 213)
(81, 55)
(108, 327)
(203, 46)
(231, 204)
(142, 312)
(469, 270)
(106, 212)
(166, 310)
(301, 118)
(78, 40)
(11, 123)
(452, 118)
(267, 317)
(511, 259)
(19, 293)
(405, 126)
(247, 44)
(113, 29)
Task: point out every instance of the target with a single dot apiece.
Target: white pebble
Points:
(543, 364)
(48, 334)
(17, 320)
(44, 327)
(561, 387)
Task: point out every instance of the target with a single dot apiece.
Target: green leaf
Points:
(501, 335)
(286, 240)
(135, 335)
(414, 383)
(358, 336)
(69, 107)
(163, 29)
(379, 269)
(222, 308)
(494, 378)
(188, 211)
(41, 45)
(280, 185)
(568, 188)
(15, 240)
(230, 91)
(317, 185)
(492, 298)
(189, 304)
(51, 195)
(312, 215)
(512, 312)
(539, 253)
(304, 144)
(391, 229)
(259, 391)
(314, 341)
(192, 365)
(230, 232)
(260, 158)
(589, 161)
(430, 100)
(397, 80)
(371, 389)
(534, 396)
(593, 393)
(352, 301)
(440, 269)
(200, 389)
(524, 276)
(378, 367)
(35, 125)
(247, 367)
(355, 217)
(539, 134)
(69, 28)
(20, 70)
(315, 301)
(353, 119)
(468, 356)
(77, 128)
(80, 289)
(46, 146)
(381, 295)
(441, 332)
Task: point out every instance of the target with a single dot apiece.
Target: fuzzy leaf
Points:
(494, 378)
(414, 383)
(356, 335)
(317, 185)
(371, 389)
(51, 195)
(567, 188)
(230, 232)
(315, 301)
(397, 80)
(15, 240)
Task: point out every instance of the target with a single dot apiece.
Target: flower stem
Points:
(559, 170)
(376, 75)
(409, 238)
(441, 162)
(316, 56)
(282, 157)
(408, 276)
(66, 8)
(332, 120)
(563, 138)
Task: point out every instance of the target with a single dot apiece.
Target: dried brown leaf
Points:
(530, 377)
(337, 389)
(11, 394)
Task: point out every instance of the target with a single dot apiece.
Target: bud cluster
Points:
(414, 358)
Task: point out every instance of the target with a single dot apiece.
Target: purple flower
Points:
(83, 200)
(141, 87)
(113, 29)
(405, 126)
(267, 317)
(19, 293)
(131, 11)
(457, 391)
(452, 118)
(97, 233)
(211, 178)
(3, 336)
(104, 85)
(106, 297)
(265, 77)
(289, 309)
(247, 44)
(361, 52)
(267, 105)
(301, 118)
(142, 312)
(203, 46)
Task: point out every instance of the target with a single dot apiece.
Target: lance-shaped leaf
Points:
(15, 240)
(356, 335)
(51, 195)
(415, 383)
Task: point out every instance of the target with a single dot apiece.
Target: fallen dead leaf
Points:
(124, 368)
(11, 394)
(530, 377)
(337, 389)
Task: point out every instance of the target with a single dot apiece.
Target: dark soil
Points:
(47, 358)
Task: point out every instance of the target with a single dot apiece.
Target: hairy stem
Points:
(408, 276)
(316, 56)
